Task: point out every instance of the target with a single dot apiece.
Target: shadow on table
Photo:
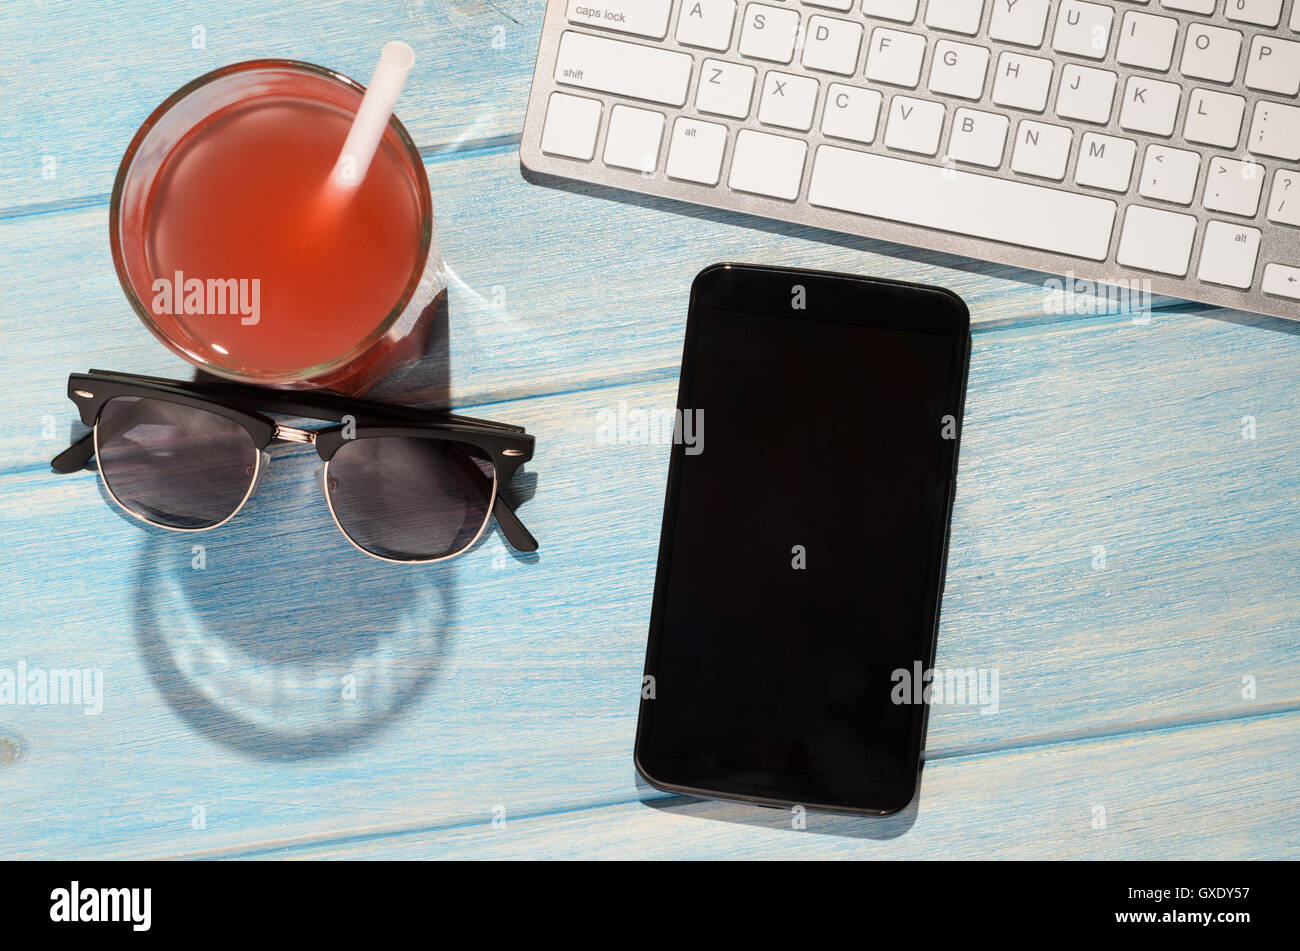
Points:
(273, 636)
(1007, 272)
(781, 818)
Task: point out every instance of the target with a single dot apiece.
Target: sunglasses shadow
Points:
(272, 635)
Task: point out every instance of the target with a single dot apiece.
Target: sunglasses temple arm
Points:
(518, 536)
(75, 457)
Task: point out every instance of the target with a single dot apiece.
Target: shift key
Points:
(638, 17)
(623, 69)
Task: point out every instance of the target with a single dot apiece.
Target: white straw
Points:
(372, 118)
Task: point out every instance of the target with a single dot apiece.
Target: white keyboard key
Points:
(851, 113)
(1210, 52)
(1203, 7)
(769, 33)
(766, 164)
(914, 125)
(1214, 118)
(904, 11)
(1105, 161)
(1147, 41)
(571, 126)
(788, 101)
(1083, 29)
(1275, 131)
(633, 139)
(623, 69)
(832, 45)
(1282, 281)
(895, 57)
(958, 69)
(647, 18)
(695, 151)
(726, 89)
(843, 6)
(930, 196)
(1284, 197)
(1258, 12)
(1022, 22)
(1022, 82)
(955, 16)
(1295, 18)
(706, 24)
(1233, 186)
(1086, 93)
(1273, 65)
(1228, 254)
(1041, 150)
(978, 138)
(1154, 240)
(1150, 105)
(1169, 174)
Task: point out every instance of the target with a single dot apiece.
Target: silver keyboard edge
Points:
(800, 212)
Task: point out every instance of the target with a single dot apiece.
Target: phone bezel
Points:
(836, 298)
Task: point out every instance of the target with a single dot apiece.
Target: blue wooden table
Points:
(1124, 544)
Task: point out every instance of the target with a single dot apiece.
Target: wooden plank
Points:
(95, 69)
(492, 679)
(1226, 791)
(532, 307)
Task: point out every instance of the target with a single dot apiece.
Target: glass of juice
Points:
(240, 253)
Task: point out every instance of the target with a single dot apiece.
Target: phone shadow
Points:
(782, 818)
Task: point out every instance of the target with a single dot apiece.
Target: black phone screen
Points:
(804, 541)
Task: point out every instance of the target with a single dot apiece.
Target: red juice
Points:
(247, 196)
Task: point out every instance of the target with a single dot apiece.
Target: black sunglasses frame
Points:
(509, 447)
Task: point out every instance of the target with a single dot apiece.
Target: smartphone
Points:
(804, 540)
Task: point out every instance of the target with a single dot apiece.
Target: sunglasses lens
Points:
(411, 499)
(174, 465)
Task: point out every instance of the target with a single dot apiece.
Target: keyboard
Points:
(1150, 144)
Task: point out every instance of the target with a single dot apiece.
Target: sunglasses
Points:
(402, 484)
